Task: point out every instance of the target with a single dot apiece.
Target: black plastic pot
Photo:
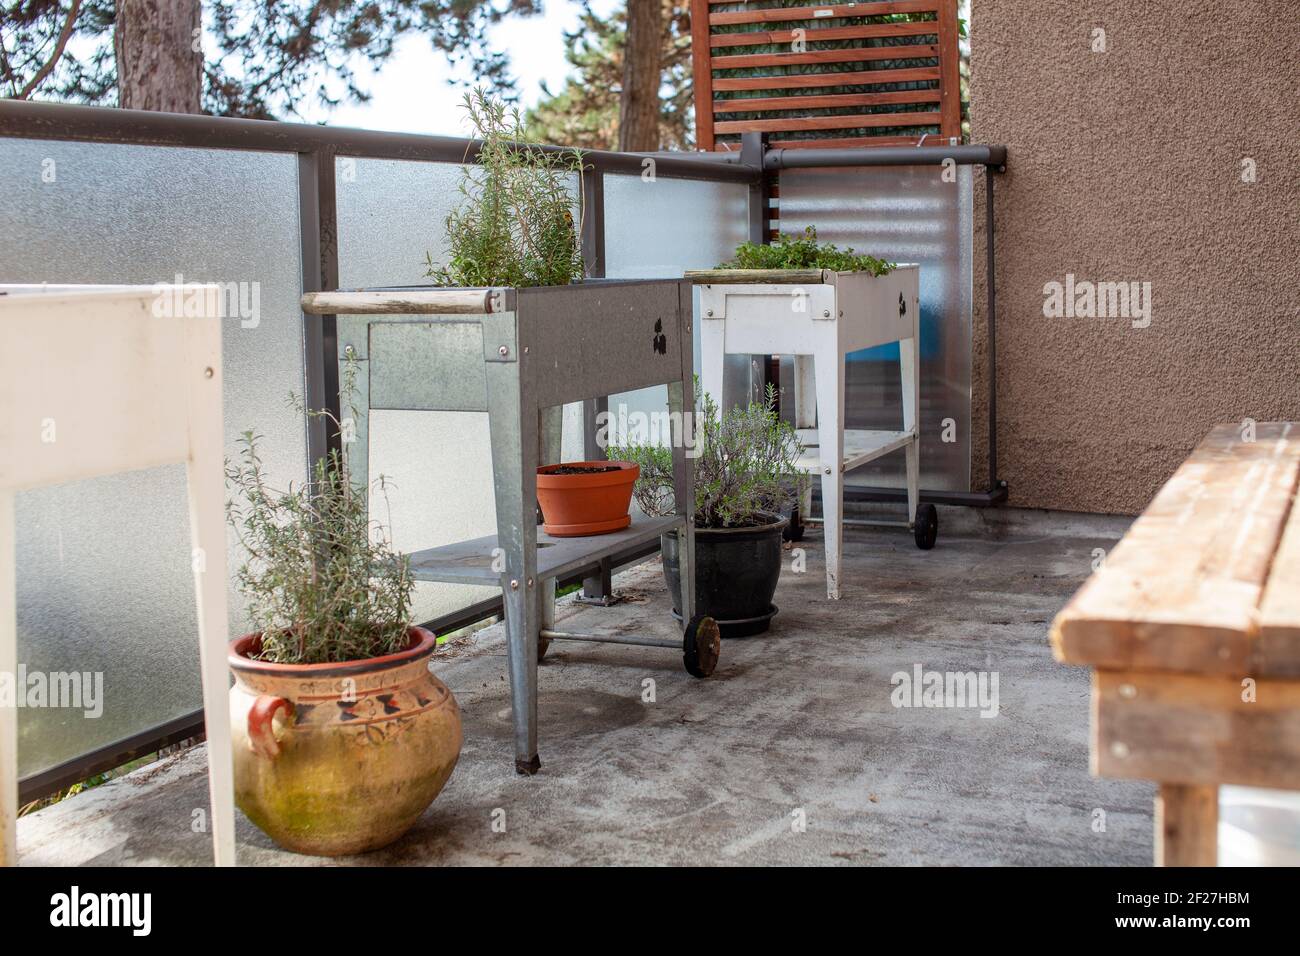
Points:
(736, 570)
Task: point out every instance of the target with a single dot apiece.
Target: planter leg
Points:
(684, 497)
(911, 401)
(830, 437)
(515, 434)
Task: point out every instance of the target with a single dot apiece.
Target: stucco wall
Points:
(1127, 165)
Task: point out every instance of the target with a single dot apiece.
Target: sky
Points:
(413, 91)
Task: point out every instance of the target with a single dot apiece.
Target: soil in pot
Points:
(586, 497)
(333, 759)
(736, 571)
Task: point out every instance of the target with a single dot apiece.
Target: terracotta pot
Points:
(592, 503)
(340, 758)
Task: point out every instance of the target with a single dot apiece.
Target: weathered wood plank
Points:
(1187, 825)
(1279, 615)
(1182, 590)
(405, 302)
(1190, 729)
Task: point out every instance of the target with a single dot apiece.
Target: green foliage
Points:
(320, 588)
(584, 112)
(745, 466)
(265, 59)
(804, 252)
(515, 225)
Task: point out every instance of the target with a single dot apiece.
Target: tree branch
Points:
(59, 47)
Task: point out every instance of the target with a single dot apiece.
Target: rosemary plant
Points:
(804, 252)
(515, 224)
(322, 582)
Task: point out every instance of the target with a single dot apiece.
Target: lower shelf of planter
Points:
(861, 445)
(470, 562)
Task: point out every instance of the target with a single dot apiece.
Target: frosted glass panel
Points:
(658, 230)
(390, 214)
(104, 578)
(903, 214)
(655, 230)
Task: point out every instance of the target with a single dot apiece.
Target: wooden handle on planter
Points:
(261, 731)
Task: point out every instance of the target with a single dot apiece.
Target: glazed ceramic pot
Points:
(586, 497)
(340, 758)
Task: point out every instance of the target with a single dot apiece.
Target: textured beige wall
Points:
(1127, 165)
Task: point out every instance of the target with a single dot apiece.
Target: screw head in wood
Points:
(1120, 750)
(709, 313)
(503, 350)
(1128, 691)
(514, 584)
(826, 313)
(208, 373)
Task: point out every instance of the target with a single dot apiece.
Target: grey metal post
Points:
(752, 148)
(597, 588)
(318, 225)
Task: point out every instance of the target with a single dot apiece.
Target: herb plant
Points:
(322, 583)
(804, 252)
(746, 466)
(515, 224)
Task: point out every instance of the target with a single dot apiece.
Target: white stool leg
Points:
(911, 381)
(713, 358)
(830, 437)
(8, 670)
(805, 392)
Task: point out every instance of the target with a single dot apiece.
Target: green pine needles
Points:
(515, 225)
(804, 252)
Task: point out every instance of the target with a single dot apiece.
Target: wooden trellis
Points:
(838, 75)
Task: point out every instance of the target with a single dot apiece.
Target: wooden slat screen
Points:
(857, 74)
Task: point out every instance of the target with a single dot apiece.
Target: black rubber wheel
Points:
(794, 530)
(543, 645)
(926, 528)
(701, 646)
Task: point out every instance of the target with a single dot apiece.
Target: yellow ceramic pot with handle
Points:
(332, 759)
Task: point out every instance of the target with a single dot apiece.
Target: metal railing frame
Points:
(316, 149)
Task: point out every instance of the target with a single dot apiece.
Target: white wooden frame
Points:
(819, 323)
(96, 380)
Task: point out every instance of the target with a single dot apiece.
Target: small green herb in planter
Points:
(515, 226)
(804, 252)
(320, 588)
(746, 466)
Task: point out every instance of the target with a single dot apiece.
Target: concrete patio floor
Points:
(796, 725)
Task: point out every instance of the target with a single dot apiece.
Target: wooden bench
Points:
(1192, 627)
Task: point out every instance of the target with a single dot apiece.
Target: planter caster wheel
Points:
(701, 646)
(926, 528)
(794, 530)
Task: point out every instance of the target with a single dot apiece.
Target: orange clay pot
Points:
(340, 758)
(594, 503)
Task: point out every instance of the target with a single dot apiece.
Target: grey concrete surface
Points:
(795, 726)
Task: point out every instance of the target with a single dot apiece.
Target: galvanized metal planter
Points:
(520, 355)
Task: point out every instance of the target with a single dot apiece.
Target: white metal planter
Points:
(819, 317)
